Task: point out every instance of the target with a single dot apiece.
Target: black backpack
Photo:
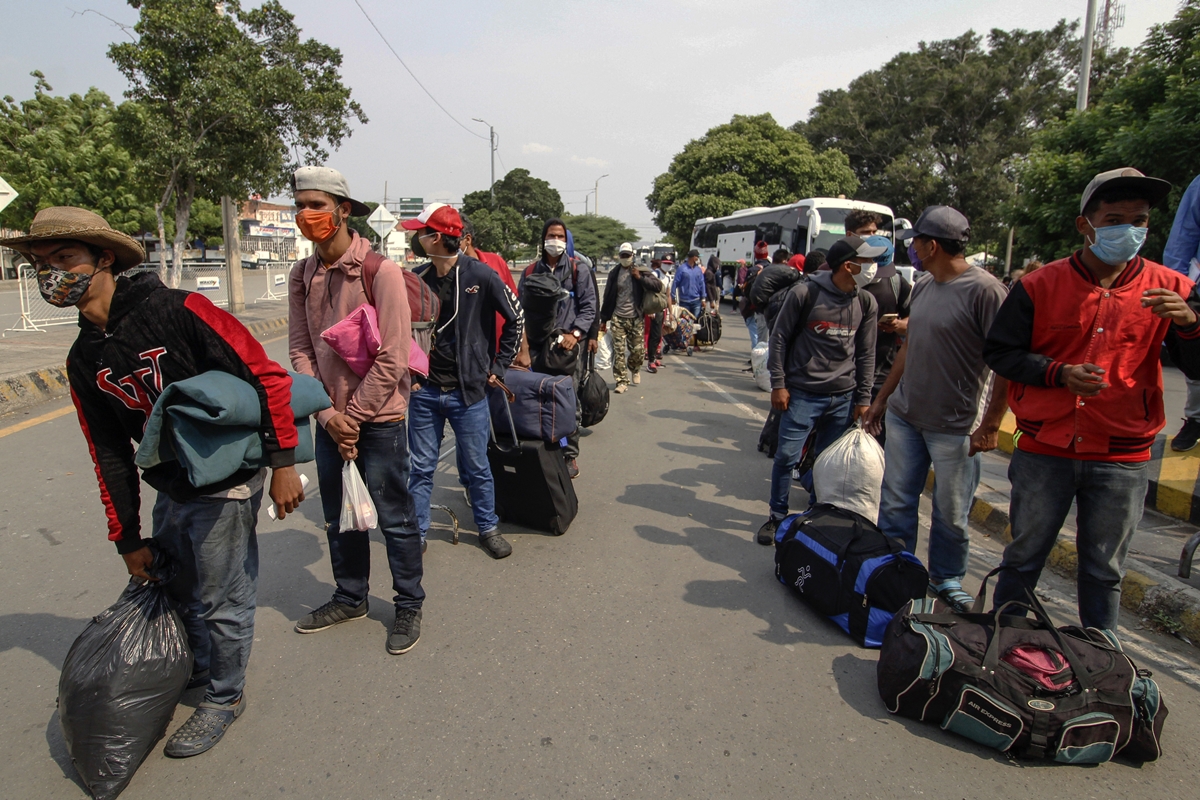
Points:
(593, 395)
(847, 569)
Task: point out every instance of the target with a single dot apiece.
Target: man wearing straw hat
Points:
(137, 337)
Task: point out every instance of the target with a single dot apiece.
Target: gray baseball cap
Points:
(939, 222)
(329, 180)
(1155, 189)
(849, 247)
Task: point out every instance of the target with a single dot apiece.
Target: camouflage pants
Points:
(627, 335)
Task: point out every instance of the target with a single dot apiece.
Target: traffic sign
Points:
(7, 194)
(381, 221)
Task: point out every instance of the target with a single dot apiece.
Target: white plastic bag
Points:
(358, 510)
(758, 363)
(849, 474)
(604, 352)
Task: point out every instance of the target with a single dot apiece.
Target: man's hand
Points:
(1168, 305)
(1084, 379)
(898, 326)
(873, 418)
(985, 439)
(568, 341)
(593, 345)
(780, 399)
(860, 412)
(342, 429)
(286, 490)
(138, 562)
(522, 359)
(493, 382)
(604, 327)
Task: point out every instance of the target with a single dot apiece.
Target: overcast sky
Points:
(575, 88)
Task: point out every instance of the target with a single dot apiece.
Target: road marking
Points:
(29, 423)
(745, 409)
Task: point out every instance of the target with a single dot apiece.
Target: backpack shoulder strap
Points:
(372, 261)
(528, 270)
(895, 281)
(311, 264)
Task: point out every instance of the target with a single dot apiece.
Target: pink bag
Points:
(356, 339)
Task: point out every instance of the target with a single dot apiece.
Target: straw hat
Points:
(67, 222)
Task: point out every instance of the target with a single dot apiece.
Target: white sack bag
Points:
(758, 363)
(604, 351)
(849, 474)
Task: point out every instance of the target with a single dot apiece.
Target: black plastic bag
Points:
(120, 683)
(593, 395)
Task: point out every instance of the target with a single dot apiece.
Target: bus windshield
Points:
(833, 227)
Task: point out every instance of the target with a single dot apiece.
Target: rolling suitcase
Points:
(533, 488)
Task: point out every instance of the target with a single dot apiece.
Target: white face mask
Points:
(866, 275)
(626, 261)
(554, 247)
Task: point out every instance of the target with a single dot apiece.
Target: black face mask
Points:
(417, 248)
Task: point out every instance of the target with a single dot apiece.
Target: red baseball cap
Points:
(438, 216)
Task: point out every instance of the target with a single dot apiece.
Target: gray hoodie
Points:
(832, 349)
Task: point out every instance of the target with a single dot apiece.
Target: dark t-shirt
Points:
(443, 356)
(887, 344)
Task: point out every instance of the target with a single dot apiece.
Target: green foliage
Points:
(205, 223)
(1149, 119)
(220, 102)
(943, 124)
(751, 161)
(519, 196)
(360, 224)
(63, 151)
(597, 236)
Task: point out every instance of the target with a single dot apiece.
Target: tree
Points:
(360, 225)
(750, 161)
(500, 230)
(63, 151)
(1148, 119)
(597, 236)
(533, 198)
(220, 100)
(943, 124)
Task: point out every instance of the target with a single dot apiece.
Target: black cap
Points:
(849, 247)
(695, 253)
(1155, 189)
(939, 222)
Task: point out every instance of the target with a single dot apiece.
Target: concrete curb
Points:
(1144, 591)
(22, 390)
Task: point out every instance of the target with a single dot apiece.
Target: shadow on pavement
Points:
(58, 751)
(46, 635)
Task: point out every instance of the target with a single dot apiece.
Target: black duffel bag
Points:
(551, 358)
(1020, 685)
(708, 329)
(593, 395)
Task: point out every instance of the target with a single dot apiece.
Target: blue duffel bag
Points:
(542, 406)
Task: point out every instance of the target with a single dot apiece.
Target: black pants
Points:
(656, 322)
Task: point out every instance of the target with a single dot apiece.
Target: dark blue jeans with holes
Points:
(384, 464)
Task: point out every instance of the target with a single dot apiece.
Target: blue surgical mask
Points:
(1117, 244)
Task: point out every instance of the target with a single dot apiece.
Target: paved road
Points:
(649, 652)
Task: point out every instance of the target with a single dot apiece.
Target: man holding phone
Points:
(892, 293)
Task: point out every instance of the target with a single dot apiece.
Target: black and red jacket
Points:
(1060, 315)
(156, 336)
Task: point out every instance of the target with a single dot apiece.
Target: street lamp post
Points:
(492, 151)
(1085, 68)
(585, 203)
(597, 191)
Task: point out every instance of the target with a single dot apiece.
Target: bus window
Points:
(769, 232)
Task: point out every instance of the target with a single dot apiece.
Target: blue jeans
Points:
(909, 453)
(830, 414)
(216, 590)
(1110, 497)
(693, 306)
(752, 326)
(383, 463)
(428, 412)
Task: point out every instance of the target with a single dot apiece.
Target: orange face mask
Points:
(316, 226)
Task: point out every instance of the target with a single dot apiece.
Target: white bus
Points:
(806, 225)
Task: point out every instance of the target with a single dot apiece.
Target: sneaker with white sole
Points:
(406, 631)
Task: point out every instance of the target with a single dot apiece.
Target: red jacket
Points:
(498, 264)
(1060, 315)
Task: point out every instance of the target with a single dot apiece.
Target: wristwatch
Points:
(578, 334)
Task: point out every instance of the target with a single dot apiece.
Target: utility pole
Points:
(597, 191)
(1085, 68)
(492, 151)
(233, 255)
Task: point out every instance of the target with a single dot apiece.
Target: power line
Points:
(413, 75)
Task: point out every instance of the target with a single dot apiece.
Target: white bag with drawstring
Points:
(849, 474)
(358, 510)
(758, 365)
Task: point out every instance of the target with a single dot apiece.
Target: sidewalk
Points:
(1150, 589)
(32, 364)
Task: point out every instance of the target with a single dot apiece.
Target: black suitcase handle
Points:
(511, 423)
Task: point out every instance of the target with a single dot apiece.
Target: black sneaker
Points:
(766, 534)
(1188, 436)
(495, 545)
(572, 469)
(330, 614)
(203, 730)
(406, 631)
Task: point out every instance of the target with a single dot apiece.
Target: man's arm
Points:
(987, 436)
(1183, 341)
(508, 307)
(301, 351)
(585, 303)
(864, 353)
(782, 333)
(610, 299)
(1007, 349)
(872, 419)
(1183, 245)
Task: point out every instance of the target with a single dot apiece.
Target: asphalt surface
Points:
(648, 652)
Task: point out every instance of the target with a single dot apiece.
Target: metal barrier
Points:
(36, 313)
(277, 281)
